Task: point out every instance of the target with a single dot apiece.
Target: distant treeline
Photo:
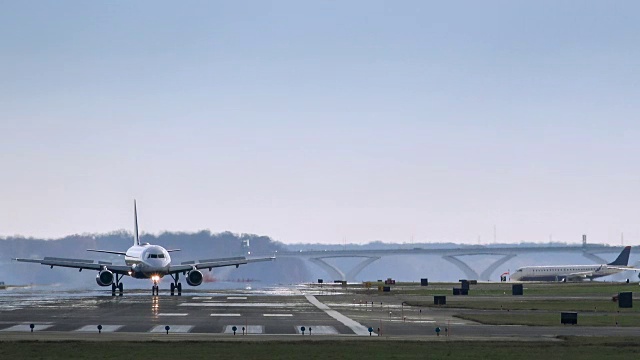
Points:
(285, 270)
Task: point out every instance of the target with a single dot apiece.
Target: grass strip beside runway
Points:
(549, 319)
(514, 303)
(584, 348)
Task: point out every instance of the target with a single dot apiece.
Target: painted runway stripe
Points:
(173, 314)
(173, 329)
(25, 327)
(236, 298)
(201, 298)
(318, 330)
(277, 315)
(225, 315)
(226, 304)
(94, 328)
(357, 328)
(250, 329)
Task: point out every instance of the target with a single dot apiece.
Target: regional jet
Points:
(574, 272)
(145, 261)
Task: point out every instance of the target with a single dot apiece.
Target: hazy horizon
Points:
(366, 243)
(323, 122)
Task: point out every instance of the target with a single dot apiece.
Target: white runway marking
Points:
(225, 304)
(357, 328)
(173, 329)
(94, 328)
(236, 298)
(277, 315)
(201, 298)
(173, 314)
(250, 329)
(318, 330)
(25, 327)
(225, 314)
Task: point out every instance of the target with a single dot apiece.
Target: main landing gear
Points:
(117, 285)
(176, 285)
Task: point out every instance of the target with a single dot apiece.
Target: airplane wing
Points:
(79, 264)
(623, 268)
(212, 263)
(108, 252)
(580, 275)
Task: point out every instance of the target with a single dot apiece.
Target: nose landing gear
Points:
(155, 290)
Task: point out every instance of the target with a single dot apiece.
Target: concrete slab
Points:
(26, 328)
(249, 329)
(105, 328)
(317, 329)
(173, 329)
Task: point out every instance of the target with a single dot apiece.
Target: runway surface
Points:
(276, 311)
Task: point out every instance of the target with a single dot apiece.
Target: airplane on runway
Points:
(145, 261)
(574, 272)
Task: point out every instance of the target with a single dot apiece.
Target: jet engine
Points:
(104, 278)
(194, 278)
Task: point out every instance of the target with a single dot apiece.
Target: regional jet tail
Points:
(145, 261)
(574, 272)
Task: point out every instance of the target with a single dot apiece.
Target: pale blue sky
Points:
(319, 121)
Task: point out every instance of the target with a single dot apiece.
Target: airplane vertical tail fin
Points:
(136, 238)
(623, 258)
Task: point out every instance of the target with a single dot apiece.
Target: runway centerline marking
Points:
(226, 304)
(236, 298)
(224, 315)
(173, 314)
(355, 326)
(277, 315)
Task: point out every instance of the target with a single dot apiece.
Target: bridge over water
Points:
(454, 255)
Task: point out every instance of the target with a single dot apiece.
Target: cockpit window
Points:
(161, 256)
(155, 256)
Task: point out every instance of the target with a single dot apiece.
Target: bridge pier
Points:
(334, 271)
(351, 275)
(468, 271)
(486, 274)
(472, 274)
(330, 269)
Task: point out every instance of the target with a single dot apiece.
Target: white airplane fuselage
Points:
(148, 260)
(562, 272)
(574, 272)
